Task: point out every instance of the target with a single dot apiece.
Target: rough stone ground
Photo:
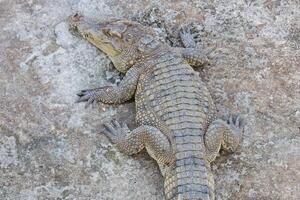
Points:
(52, 148)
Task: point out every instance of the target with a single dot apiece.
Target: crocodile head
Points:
(125, 42)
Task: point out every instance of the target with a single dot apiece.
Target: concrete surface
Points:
(52, 148)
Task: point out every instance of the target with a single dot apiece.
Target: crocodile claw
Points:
(236, 122)
(190, 36)
(91, 96)
(87, 95)
(81, 93)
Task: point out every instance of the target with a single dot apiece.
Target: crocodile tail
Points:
(189, 179)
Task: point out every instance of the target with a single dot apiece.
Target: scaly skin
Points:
(174, 110)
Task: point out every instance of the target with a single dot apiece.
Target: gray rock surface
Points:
(52, 148)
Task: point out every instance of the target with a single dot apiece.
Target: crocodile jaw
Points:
(94, 33)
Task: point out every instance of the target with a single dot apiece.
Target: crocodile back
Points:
(173, 98)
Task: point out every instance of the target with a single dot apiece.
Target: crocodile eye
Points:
(106, 32)
(115, 33)
(112, 33)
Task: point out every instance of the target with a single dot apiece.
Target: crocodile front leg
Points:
(132, 142)
(194, 57)
(223, 134)
(113, 95)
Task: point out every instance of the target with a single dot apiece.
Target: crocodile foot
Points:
(89, 95)
(236, 123)
(189, 36)
(233, 139)
(115, 131)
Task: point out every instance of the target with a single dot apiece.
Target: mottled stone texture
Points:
(52, 148)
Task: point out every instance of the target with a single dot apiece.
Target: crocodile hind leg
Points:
(225, 134)
(132, 142)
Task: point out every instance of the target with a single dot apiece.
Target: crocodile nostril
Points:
(76, 17)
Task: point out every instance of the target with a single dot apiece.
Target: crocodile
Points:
(175, 113)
